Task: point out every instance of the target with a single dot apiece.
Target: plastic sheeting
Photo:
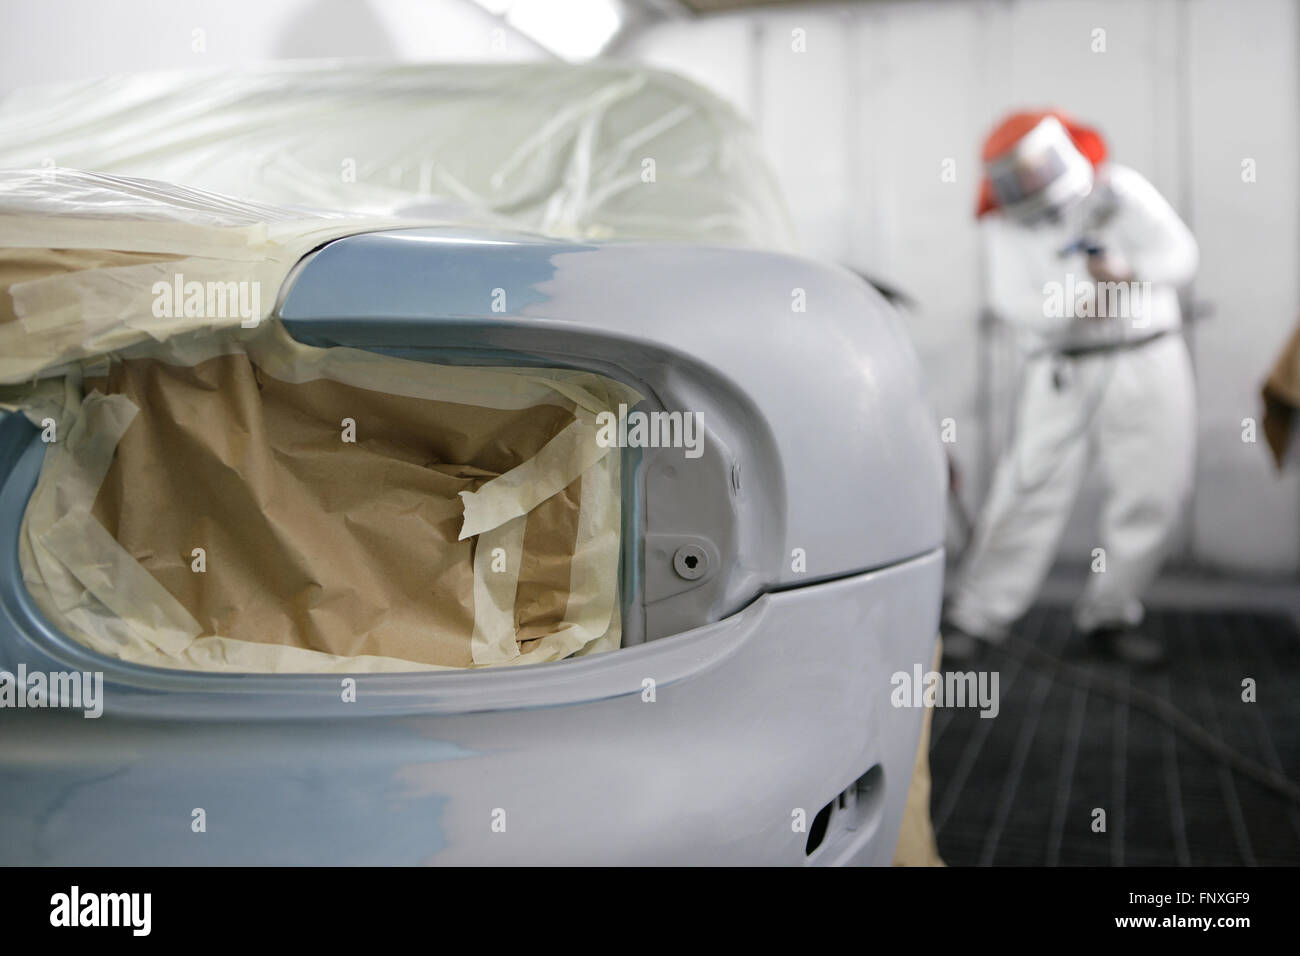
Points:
(215, 495)
(596, 151)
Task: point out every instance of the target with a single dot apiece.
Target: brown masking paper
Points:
(347, 547)
(282, 519)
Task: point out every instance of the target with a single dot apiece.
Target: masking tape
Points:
(122, 610)
(524, 487)
(493, 640)
(80, 574)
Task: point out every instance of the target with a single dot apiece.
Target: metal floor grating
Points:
(1020, 789)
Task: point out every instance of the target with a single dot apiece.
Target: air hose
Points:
(1159, 708)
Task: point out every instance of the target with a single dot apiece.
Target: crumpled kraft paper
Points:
(237, 507)
(225, 498)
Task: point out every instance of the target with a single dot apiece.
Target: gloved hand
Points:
(1107, 266)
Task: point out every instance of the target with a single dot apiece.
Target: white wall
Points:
(859, 125)
(1243, 77)
(49, 41)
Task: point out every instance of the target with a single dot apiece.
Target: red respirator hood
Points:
(1012, 129)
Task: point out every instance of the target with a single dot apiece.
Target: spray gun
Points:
(1102, 212)
(1085, 244)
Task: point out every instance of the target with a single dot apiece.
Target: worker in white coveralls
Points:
(1084, 259)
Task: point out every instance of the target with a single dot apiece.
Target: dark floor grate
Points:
(1020, 789)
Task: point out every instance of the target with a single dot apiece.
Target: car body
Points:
(748, 710)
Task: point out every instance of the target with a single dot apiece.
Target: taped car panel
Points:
(232, 519)
(216, 495)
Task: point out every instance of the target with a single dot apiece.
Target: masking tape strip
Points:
(593, 582)
(583, 397)
(591, 614)
(232, 655)
(78, 542)
(163, 236)
(74, 467)
(493, 640)
(83, 314)
(49, 398)
(277, 354)
(524, 487)
(79, 460)
(280, 356)
(122, 293)
(115, 304)
(122, 584)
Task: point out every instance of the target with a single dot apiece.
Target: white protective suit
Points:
(1129, 409)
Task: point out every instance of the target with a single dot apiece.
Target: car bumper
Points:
(748, 725)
